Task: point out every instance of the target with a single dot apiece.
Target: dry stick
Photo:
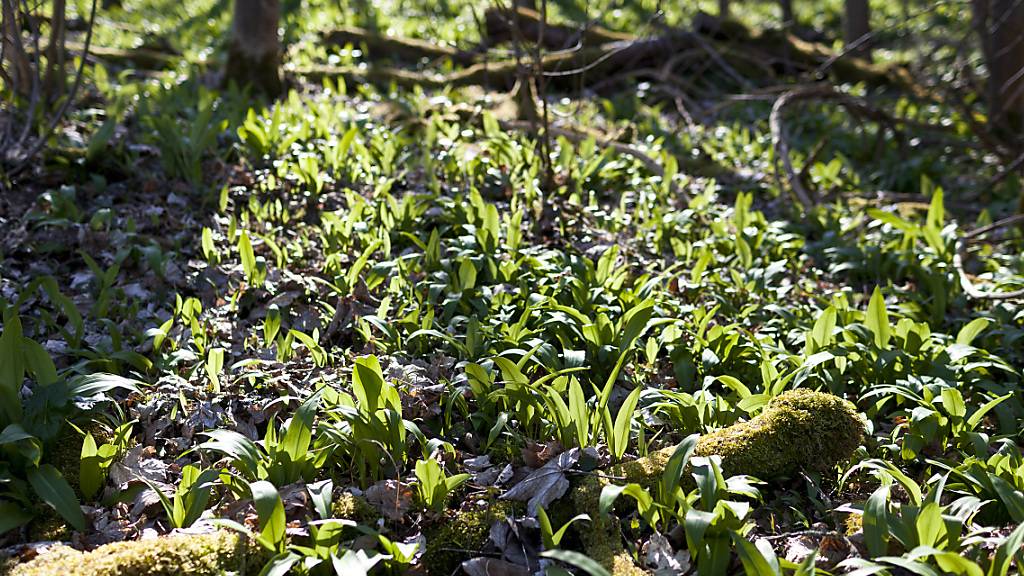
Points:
(821, 92)
(972, 236)
(1010, 169)
(781, 145)
(67, 102)
(576, 137)
(977, 233)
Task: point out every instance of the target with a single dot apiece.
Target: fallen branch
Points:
(565, 69)
(798, 431)
(976, 235)
(970, 289)
(382, 45)
(780, 50)
(780, 143)
(507, 25)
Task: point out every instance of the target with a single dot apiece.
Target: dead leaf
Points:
(492, 567)
(546, 484)
(536, 455)
(663, 560)
(392, 498)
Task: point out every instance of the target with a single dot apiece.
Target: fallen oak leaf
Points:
(546, 484)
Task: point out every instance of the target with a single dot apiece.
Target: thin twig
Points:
(576, 137)
(38, 145)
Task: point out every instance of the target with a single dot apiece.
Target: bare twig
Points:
(577, 136)
(65, 105)
(973, 236)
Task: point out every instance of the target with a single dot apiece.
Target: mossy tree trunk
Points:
(254, 56)
(857, 28)
(1000, 28)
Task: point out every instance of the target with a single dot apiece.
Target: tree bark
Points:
(723, 9)
(254, 56)
(55, 70)
(16, 68)
(1000, 27)
(788, 18)
(857, 27)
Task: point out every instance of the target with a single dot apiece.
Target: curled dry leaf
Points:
(546, 484)
(392, 498)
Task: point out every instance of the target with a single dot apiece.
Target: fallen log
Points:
(386, 46)
(505, 25)
(142, 58)
(780, 50)
(564, 70)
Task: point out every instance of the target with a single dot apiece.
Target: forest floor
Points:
(390, 326)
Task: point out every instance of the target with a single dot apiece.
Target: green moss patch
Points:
(800, 430)
(180, 555)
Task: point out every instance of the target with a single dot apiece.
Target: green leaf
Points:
(1009, 548)
(578, 412)
(280, 565)
(214, 365)
(248, 257)
(271, 325)
(1012, 498)
(821, 334)
(755, 563)
(878, 319)
(270, 510)
(90, 468)
(624, 422)
(367, 383)
(243, 451)
(971, 330)
(467, 275)
(929, 524)
(875, 521)
(53, 489)
(578, 560)
(12, 516)
(675, 468)
(12, 370)
(300, 429)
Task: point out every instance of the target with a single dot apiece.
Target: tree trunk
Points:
(857, 28)
(787, 12)
(55, 70)
(16, 69)
(254, 56)
(1000, 26)
(723, 9)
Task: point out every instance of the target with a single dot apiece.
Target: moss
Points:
(6, 565)
(355, 508)
(854, 523)
(601, 539)
(799, 430)
(48, 526)
(455, 540)
(194, 555)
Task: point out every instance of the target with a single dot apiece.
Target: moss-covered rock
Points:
(185, 554)
(800, 430)
(453, 540)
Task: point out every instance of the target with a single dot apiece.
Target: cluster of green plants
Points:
(563, 299)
